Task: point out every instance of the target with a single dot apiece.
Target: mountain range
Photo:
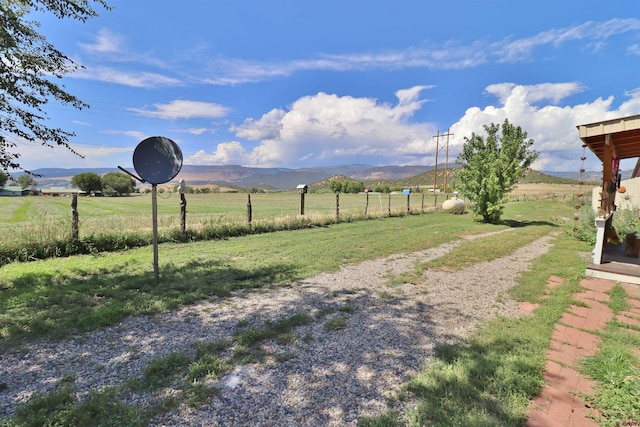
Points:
(273, 178)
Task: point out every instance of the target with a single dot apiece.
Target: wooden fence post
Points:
(408, 204)
(75, 231)
(183, 215)
(389, 206)
(366, 206)
(337, 206)
(249, 210)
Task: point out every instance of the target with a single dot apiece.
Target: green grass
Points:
(491, 380)
(616, 368)
(185, 374)
(487, 381)
(82, 293)
(129, 213)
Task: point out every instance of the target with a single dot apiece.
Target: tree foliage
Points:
(87, 181)
(118, 184)
(30, 67)
(26, 181)
(491, 166)
(346, 186)
(3, 179)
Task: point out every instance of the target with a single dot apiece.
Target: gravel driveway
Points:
(325, 377)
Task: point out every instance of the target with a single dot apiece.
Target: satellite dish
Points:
(157, 159)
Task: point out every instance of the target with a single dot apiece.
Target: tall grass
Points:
(40, 227)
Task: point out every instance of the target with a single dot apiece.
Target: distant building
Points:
(12, 191)
(61, 191)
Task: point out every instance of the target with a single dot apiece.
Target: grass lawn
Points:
(488, 381)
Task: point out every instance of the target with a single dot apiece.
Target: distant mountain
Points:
(244, 177)
(284, 178)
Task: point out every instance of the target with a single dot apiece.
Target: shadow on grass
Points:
(337, 370)
(513, 223)
(47, 304)
(469, 384)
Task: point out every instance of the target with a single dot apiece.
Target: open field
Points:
(121, 214)
(41, 218)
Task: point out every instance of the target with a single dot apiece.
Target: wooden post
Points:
(422, 204)
(249, 209)
(301, 202)
(337, 206)
(366, 206)
(389, 206)
(183, 215)
(75, 231)
(408, 203)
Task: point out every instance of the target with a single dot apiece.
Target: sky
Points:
(307, 83)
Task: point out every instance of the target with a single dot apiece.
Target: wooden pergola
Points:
(611, 141)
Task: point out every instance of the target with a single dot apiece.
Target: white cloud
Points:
(227, 153)
(446, 56)
(552, 127)
(554, 92)
(132, 133)
(128, 78)
(326, 128)
(183, 109)
(105, 42)
(35, 156)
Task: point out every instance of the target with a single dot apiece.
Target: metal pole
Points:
(154, 214)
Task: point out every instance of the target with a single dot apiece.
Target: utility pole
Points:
(446, 167)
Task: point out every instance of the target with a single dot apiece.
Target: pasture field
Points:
(48, 215)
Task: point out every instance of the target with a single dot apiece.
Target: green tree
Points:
(490, 166)
(3, 179)
(382, 188)
(29, 68)
(25, 181)
(87, 181)
(118, 184)
(353, 187)
(335, 185)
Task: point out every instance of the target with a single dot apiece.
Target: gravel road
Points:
(323, 376)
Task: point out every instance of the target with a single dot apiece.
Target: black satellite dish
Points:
(157, 160)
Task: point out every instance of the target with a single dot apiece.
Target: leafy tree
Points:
(353, 187)
(3, 179)
(382, 188)
(346, 186)
(335, 185)
(26, 181)
(490, 166)
(87, 181)
(118, 184)
(29, 66)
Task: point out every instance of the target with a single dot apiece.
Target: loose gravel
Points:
(323, 376)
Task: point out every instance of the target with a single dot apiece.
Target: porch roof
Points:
(624, 132)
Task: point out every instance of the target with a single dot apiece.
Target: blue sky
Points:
(323, 82)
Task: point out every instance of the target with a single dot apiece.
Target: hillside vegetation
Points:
(426, 180)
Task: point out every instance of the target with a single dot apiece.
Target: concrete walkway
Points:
(559, 403)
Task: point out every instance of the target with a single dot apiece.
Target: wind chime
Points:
(580, 194)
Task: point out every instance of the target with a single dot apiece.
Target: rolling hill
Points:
(282, 178)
